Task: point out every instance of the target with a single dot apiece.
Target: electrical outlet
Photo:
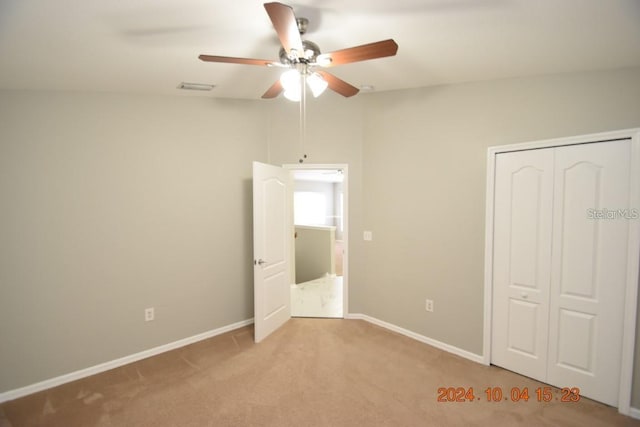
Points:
(149, 314)
(429, 305)
(368, 236)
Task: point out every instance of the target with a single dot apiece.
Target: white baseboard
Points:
(634, 413)
(82, 373)
(426, 340)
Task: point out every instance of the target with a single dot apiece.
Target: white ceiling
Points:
(150, 46)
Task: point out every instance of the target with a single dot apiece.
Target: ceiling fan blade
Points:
(338, 85)
(273, 91)
(232, 60)
(284, 22)
(365, 52)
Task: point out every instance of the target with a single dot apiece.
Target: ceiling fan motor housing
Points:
(302, 24)
(311, 52)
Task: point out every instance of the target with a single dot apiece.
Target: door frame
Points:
(633, 249)
(345, 214)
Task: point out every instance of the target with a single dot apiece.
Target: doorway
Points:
(319, 264)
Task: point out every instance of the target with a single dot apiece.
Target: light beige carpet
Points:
(312, 372)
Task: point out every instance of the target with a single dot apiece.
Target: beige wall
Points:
(111, 204)
(114, 203)
(315, 252)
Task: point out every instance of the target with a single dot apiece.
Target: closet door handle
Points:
(259, 262)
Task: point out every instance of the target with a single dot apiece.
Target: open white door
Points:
(272, 228)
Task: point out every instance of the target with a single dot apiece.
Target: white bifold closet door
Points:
(559, 270)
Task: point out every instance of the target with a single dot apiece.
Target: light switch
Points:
(368, 235)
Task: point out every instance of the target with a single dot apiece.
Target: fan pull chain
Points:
(303, 114)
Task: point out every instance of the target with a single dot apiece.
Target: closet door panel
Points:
(588, 271)
(522, 250)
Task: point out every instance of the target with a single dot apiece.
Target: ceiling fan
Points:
(303, 58)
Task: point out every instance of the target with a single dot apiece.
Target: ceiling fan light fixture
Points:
(317, 84)
(290, 80)
(292, 95)
(324, 60)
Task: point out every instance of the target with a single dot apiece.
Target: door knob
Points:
(259, 262)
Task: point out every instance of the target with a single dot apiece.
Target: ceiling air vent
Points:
(195, 86)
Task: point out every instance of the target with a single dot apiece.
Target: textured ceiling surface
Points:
(150, 46)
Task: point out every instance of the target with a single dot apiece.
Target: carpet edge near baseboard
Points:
(106, 366)
(478, 358)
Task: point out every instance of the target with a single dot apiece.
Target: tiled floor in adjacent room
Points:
(317, 298)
